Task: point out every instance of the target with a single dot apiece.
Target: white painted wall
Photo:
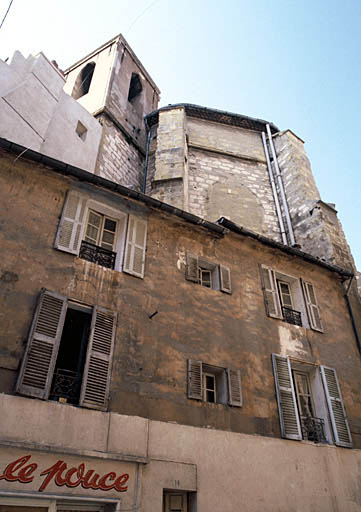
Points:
(95, 99)
(36, 113)
(229, 471)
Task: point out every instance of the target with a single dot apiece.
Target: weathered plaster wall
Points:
(150, 360)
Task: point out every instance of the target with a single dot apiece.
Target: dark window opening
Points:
(135, 87)
(83, 81)
(70, 362)
(135, 96)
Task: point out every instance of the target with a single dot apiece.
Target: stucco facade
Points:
(36, 113)
(223, 455)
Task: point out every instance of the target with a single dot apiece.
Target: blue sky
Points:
(295, 63)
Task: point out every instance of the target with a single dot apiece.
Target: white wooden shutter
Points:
(42, 349)
(225, 279)
(96, 378)
(195, 379)
(271, 299)
(69, 233)
(313, 310)
(234, 387)
(336, 408)
(135, 247)
(192, 268)
(286, 399)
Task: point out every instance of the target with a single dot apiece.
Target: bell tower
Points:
(112, 84)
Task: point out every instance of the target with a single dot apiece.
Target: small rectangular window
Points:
(81, 131)
(209, 388)
(214, 384)
(290, 299)
(207, 274)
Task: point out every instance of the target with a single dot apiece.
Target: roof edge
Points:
(221, 227)
(219, 115)
(240, 230)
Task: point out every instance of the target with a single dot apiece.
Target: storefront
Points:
(37, 481)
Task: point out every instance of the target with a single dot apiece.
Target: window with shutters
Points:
(310, 403)
(209, 275)
(290, 299)
(214, 384)
(103, 235)
(69, 352)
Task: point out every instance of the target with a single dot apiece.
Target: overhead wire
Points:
(140, 15)
(8, 9)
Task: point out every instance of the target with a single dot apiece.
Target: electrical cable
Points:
(6, 13)
(140, 15)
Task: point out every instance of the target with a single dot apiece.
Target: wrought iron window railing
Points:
(291, 316)
(96, 254)
(313, 429)
(66, 384)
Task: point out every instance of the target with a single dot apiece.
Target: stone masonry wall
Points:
(168, 183)
(228, 177)
(234, 188)
(118, 159)
(315, 223)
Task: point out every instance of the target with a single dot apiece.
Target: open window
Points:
(310, 403)
(214, 384)
(135, 96)
(83, 81)
(290, 299)
(207, 274)
(69, 352)
(103, 235)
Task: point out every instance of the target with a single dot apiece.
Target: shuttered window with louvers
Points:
(313, 310)
(96, 379)
(192, 268)
(39, 360)
(271, 299)
(286, 399)
(135, 247)
(336, 408)
(225, 275)
(234, 387)
(69, 233)
(195, 379)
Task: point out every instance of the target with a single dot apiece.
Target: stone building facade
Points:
(179, 325)
(155, 431)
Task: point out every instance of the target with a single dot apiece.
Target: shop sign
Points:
(45, 473)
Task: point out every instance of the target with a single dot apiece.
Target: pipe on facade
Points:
(349, 307)
(147, 129)
(274, 191)
(281, 187)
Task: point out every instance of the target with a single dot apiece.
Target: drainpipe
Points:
(349, 307)
(274, 191)
(281, 188)
(145, 172)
